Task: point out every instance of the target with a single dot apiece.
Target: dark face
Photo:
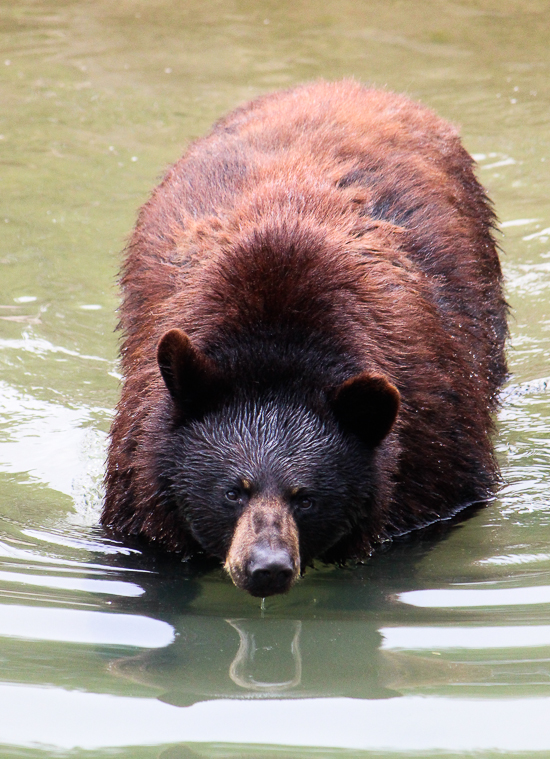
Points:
(267, 487)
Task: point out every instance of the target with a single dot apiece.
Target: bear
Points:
(313, 343)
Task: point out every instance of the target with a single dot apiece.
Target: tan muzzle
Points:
(264, 556)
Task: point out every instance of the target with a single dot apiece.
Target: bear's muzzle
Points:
(264, 556)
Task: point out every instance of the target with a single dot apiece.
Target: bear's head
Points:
(269, 480)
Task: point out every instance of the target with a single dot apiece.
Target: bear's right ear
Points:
(192, 378)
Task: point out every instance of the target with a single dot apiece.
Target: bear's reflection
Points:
(259, 664)
(254, 657)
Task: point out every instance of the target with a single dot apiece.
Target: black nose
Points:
(270, 571)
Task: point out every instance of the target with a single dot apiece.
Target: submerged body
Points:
(314, 329)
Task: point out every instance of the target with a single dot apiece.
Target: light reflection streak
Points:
(429, 638)
(66, 565)
(82, 626)
(80, 584)
(456, 598)
(31, 716)
(88, 545)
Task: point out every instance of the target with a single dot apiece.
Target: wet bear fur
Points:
(314, 327)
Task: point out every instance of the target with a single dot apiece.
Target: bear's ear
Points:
(367, 406)
(192, 378)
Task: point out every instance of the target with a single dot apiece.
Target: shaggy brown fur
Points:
(315, 235)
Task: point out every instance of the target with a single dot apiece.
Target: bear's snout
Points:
(269, 571)
(264, 556)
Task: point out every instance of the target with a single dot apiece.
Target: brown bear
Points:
(314, 331)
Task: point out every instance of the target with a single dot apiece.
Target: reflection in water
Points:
(470, 597)
(420, 725)
(465, 637)
(242, 667)
(82, 626)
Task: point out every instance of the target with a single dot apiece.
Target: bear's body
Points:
(320, 279)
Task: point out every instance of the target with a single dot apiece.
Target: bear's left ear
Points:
(193, 380)
(367, 406)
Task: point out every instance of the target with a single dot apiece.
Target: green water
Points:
(439, 646)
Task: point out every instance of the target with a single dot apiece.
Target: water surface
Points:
(439, 645)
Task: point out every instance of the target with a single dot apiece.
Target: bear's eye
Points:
(233, 495)
(304, 502)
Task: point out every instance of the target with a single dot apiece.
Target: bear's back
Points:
(327, 150)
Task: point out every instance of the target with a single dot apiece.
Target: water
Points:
(439, 646)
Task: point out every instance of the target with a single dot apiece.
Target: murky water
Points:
(439, 646)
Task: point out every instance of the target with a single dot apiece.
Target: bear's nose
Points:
(270, 571)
